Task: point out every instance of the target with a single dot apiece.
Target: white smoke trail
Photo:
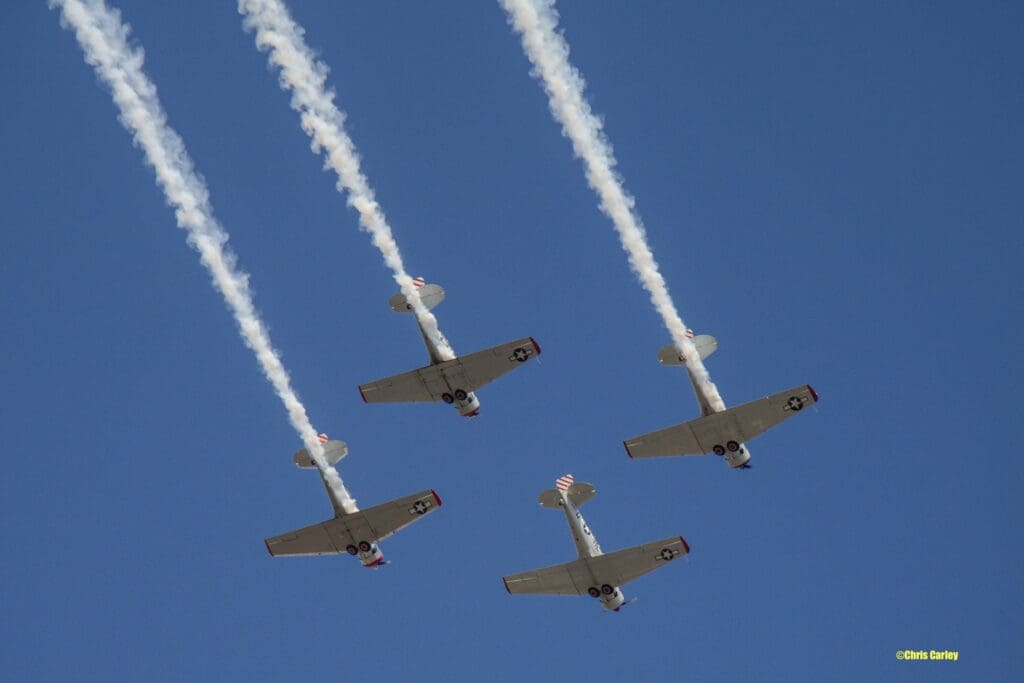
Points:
(104, 40)
(537, 21)
(279, 35)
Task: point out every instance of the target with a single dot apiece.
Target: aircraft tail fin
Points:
(578, 493)
(705, 343)
(431, 295)
(334, 451)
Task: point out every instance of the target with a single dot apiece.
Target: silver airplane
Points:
(594, 573)
(723, 433)
(451, 381)
(354, 532)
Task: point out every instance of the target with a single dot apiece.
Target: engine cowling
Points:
(738, 457)
(614, 601)
(469, 406)
(371, 558)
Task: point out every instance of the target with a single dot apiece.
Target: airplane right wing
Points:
(741, 423)
(385, 519)
(372, 524)
(467, 373)
(622, 566)
(616, 569)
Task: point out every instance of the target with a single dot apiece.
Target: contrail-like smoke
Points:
(104, 40)
(301, 73)
(537, 21)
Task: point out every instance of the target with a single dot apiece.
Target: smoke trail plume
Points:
(279, 35)
(104, 40)
(537, 21)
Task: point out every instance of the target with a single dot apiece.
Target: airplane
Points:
(356, 532)
(451, 381)
(594, 573)
(723, 433)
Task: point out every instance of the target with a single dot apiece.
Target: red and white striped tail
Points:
(563, 483)
(689, 334)
(419, 281)
(323, 438)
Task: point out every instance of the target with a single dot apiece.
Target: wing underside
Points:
(615, 569)
(372, 524)
(740, 424)
(468, 373)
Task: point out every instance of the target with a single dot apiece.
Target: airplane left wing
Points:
(408, 387)
(467, 373)
(311, 540)
(616, 569)
(561, 579)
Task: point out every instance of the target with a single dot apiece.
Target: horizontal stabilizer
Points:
(578, 494)
(334, 451)
(705, 343)
(719, 432)
(370, 525)
(430, 295)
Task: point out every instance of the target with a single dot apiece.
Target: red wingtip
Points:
(813, 392)
(266, 542)
(362, 394)
(685, 544)
(626, 446)
(505, 581)
(536, 346)
(437, 498)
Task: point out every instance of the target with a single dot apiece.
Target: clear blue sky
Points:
(835, 192)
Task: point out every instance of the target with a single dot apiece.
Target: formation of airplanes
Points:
(600, 575)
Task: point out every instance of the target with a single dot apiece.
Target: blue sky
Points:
(834, 192)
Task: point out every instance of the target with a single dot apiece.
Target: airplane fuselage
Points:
(586, 547)
(465, 402)
(735, 453)
(369, 553)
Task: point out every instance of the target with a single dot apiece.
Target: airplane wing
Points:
(741, 423)
(310, 540)
(622, 566)
(616, 569)
(409, 387)
(371, 524)
(468, 373)
(383, 520)
(570, 578)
